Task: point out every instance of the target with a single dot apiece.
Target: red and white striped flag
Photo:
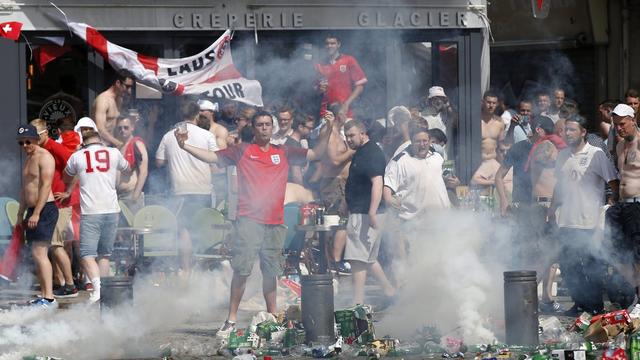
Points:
(209, 73)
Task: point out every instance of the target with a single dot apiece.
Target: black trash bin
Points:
(115, 291)
(317, 307)
(521, 307)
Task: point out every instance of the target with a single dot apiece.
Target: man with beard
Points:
(582, 171)
(413, 186)
(624, 216)
(363, 193)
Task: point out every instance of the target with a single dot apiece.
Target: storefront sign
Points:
(427, 18)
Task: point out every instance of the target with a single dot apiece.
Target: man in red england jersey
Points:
(342, 79)
(262, 178)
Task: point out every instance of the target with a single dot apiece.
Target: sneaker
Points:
(43, 304)
(226, 329)
(552, 307)
(66, 292)
(88, 287)
(342, 267)
(94, 297)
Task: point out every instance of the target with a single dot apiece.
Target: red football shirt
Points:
(61, 155)
(262, 178)
(343, 75)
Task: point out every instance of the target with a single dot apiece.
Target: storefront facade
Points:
(404, 48)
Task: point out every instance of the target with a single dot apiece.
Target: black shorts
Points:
(623, 221)
(188, 206)
(46, 225)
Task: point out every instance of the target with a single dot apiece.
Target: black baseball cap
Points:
(27, 131)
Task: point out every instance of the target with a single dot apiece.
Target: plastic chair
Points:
(12, 207)
(161, 240)
(126, 213)
(8, 219)
(209, 230)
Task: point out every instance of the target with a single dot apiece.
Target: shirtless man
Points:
(335, 170)
(130, 184)
(541, 168)
(108, 105)
(208, 109)
(492, 125)
(624, 216)
(42, 214)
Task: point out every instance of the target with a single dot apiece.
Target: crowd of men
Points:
(551, 169)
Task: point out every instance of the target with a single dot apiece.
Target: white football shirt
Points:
(418, 183)
(97, 167)
(188, 174)
(581, 178)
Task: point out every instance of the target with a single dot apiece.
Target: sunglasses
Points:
(26, 142)
(124, 127)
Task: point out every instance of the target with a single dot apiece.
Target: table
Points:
(321, 230)
(139, 233)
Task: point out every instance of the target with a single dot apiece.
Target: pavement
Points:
(167, 317)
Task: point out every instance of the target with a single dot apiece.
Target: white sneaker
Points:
(226, 329)
(94, 297)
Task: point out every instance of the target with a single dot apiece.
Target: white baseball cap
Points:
(207, 105)
(623, 110)
(436, 91)
(85, 122)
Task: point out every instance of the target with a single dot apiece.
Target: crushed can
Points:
(582, 322)
(568, 355)
(614, 354)
(634, 346)
(307, 214)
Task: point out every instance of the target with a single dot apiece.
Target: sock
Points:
(62, 283)
(96, 284)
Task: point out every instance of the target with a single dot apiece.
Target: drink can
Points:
(320, 215)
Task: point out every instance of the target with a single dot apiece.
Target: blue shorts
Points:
(43, 232)
(97, 234)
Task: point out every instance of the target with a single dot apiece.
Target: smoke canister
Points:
(521, 307)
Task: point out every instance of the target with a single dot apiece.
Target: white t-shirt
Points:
(97, 167)
(188, 174)
(417, 183)
(402, 147)
(581, 178)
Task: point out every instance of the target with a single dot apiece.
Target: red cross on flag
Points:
(10, 30)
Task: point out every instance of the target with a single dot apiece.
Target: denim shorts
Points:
(97, 234)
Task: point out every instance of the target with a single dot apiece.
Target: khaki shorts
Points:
(62, 226)
(363, 241)
(254, 239)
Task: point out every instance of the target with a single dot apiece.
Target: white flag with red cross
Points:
(209, 73)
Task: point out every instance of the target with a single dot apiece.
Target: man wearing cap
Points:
(96, 167)
(439, 113)
(135, 152)
(37, 199)
(624, 216)
(84, 124)
(209, 109)
(190, 178)
(108, 105)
